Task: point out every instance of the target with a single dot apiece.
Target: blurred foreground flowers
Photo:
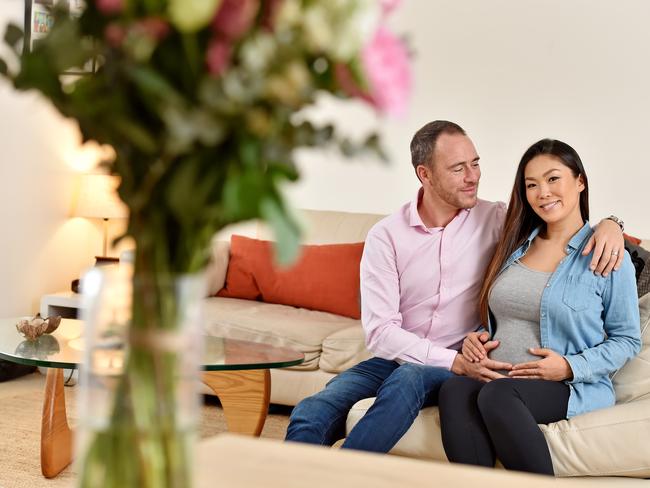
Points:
(198, 100)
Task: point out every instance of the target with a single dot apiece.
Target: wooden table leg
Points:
(56, 436)
(244, 396)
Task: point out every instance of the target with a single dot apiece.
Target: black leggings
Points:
(484, 421)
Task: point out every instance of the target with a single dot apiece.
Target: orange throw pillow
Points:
(325, 277)
(634, 240)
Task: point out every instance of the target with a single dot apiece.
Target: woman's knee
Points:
(495, 395)
(454, 390)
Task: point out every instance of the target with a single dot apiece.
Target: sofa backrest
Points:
(320, 227)
(329, 227)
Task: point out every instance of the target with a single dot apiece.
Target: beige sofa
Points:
(614, 441)
(331, 343)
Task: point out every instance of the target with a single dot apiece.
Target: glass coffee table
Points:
(236, 371)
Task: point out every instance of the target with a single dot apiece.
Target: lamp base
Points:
(99, 261)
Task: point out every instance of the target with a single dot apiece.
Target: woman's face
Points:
(552, 190)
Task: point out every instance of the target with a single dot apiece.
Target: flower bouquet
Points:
(200, 101)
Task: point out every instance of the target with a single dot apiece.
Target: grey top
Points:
(515, 303)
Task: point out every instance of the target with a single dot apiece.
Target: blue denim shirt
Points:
(593, 321)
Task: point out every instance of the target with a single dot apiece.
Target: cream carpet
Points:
(21, 403)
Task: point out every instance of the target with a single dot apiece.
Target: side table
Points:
(67, 304)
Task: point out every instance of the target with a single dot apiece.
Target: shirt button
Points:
(547, 285)
(543, 314)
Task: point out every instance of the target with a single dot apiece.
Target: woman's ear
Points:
(581, 183)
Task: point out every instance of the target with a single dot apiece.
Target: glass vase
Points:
(138, 385)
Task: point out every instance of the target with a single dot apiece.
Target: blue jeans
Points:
(400, 391)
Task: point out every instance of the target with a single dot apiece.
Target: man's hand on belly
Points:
(483, 370)
(476, 346)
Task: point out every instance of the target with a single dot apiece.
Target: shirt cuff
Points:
(579, 367)
(443, 358)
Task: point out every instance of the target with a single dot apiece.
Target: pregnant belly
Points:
(513, 353)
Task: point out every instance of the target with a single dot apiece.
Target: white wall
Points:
(509, 71)
(512, 72)
(42, 249)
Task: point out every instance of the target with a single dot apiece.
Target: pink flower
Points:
(110, 7)
(386, 66)
(218, 57)
(114, 34)
(154, 27)
(387, 6)
(270, 9)
(235, 17)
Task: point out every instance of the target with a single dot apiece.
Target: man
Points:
(421, 273)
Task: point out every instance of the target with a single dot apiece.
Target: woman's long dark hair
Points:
(521, 220)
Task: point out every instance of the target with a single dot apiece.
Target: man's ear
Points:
(423, 173)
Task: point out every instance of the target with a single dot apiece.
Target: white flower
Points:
(192, 15)
(289, 15)
(340, 28)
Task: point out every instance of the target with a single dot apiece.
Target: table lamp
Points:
(98, 199)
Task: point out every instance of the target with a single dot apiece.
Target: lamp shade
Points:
(98, 198)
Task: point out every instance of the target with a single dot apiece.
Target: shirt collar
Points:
(414, 218)
(575, 242)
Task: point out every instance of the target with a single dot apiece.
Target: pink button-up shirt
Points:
(420, 286)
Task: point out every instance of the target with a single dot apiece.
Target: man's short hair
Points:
(424, 140)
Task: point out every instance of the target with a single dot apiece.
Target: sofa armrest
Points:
(215, 274)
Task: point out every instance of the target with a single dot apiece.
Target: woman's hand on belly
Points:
(553, 367)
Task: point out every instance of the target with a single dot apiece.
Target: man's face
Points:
(453, 176)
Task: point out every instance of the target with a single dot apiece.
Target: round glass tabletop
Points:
(64, 348)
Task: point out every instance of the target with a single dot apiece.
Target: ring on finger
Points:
(615, 253)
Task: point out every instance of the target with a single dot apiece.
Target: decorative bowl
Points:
(35, 327)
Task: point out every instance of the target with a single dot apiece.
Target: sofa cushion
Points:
(632, 381)
(608, 442)
(281, 325)
(325, 277)
(215, 272)
(343, 349)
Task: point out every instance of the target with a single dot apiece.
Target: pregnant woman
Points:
(563, 328)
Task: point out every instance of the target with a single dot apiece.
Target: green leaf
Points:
(242, 194)
(3, 68)
(13, 35)
(64, 45)
(285, 229)
(138, 135)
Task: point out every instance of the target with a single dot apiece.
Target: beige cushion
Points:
(247, 462)
(608, 442)
(422, 440)
(632, 381)
(343, 349)
(215, 273)
(281, 325)
(289, 387)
